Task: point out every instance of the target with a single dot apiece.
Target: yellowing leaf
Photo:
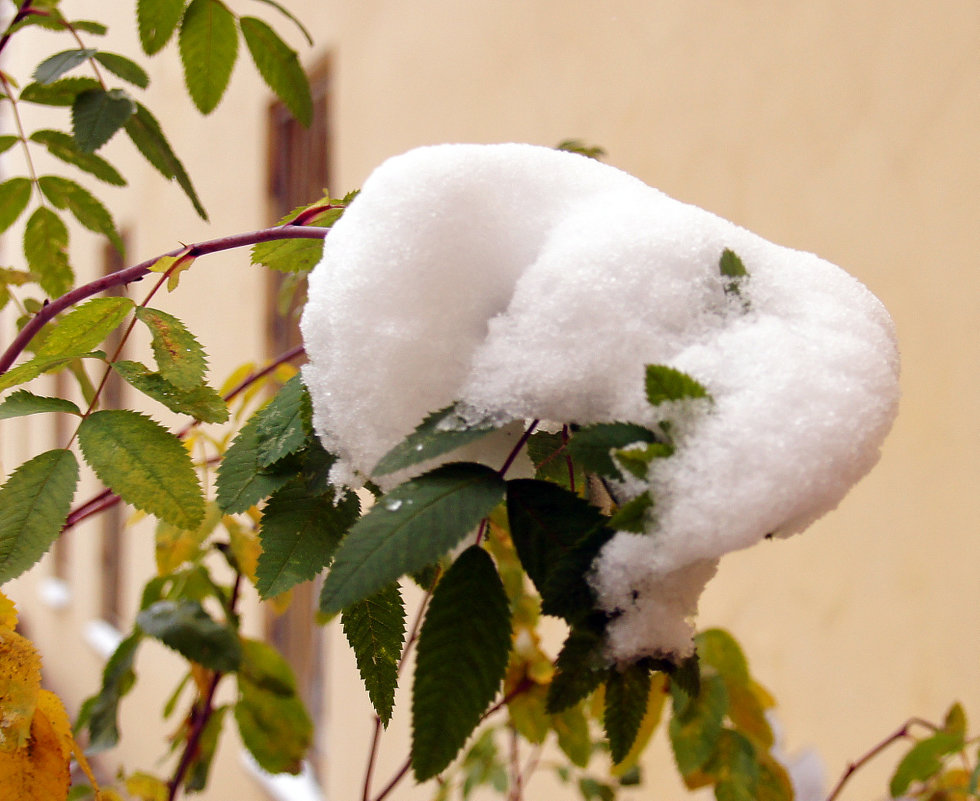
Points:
(146, 787)
(8, 613)
(20, 682)
(39, 771)
(245, 546)
(49, 705)
(655, 707)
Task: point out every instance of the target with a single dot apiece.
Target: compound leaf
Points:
(462, 658)
(409, 528)
(144, 464)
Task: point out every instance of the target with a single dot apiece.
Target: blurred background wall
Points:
(848, 129)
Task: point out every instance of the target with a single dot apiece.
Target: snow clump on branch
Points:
(532, 283)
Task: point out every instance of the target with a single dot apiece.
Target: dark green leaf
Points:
(375, 629)
(157, 20)
(242, 480)
(179, 356)
(409, 528)
(83, 328)
(272, 720)
(97, 114)
(100, 712)
(592, 445)
(439, 433)
(63, 146)
(462, 657)
(15, 193)
(144, 464)
(627, 692)
(286, 13)
(667, 384)
(124, 68)
(279, 67)
(193, 633)
(57, 65)
(552, 460)
(593, 790)
(547, 523)
(59, 93)
(208, 43)
(66, 194)
(284, 422)
(632, 515)
(731, 267)
(202, 402)
(7, 141)
(696, 724)
(22, 402)
(146, 133)
(300, 533)
(197, 774)
(46, 249)
(581, 668)
(924, 760)
(34, 504)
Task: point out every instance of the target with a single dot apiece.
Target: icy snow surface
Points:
(533, 283)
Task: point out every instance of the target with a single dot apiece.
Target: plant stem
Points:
(135, 273)
(900, 734)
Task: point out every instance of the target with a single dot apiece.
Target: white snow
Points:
(532, 283)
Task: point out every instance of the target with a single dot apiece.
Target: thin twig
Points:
(130, 274)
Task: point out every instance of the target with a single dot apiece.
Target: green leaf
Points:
(581, 668)
(83, 328)
(200, 766)
(410, 527)
(22, 402)
(279, 67)
(7, 141)
(89, 26)
(66, 194)
(286, 13)
(547, 524)
(97, 114)
(272, 720)
(202, 402)
(632, 515)
(63, 146)
(696, 724)
(735, 768)
(179, 356)
(592, 445)
(144, 464)
(375, 629)
(145, 132)
(188, 629)
(284, 422)
(15, 193)
(100, 713)
(125, 68)
(731, 266)
(627, 692)
(57, 65)
(462, 657)
(924, 760)
(34, 504)
(59, 93)
(46, 249)
(157, 20)
(552, 461)
(574, 737)
(288, 255)
(208, 43)
(636, 458)
(439, 433)
(300, 533)
(242, 480)
(667, 384)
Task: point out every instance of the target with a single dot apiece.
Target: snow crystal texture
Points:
(533, 283)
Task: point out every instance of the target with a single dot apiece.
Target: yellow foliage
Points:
(146, 787)
(20, 682)
(39, 770)
(8, 613)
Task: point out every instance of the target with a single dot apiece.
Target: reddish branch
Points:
(131, 274)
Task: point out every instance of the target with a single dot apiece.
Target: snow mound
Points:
(533, 283)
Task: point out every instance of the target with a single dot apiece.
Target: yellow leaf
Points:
(20, 682)
(39, 771)
(174, 545)
(245, 546)
(146, 787)
(49, 705)
(8, 613)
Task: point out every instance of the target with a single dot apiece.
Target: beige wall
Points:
(844, 128)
